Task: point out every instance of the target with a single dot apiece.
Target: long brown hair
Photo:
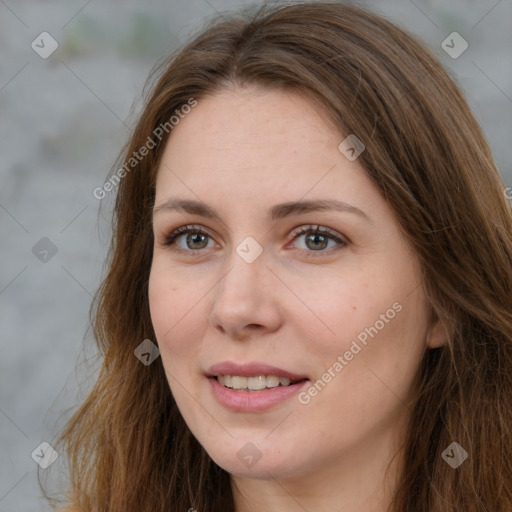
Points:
(127, 444)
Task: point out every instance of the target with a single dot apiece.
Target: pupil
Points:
(316, 236)
(195, 236)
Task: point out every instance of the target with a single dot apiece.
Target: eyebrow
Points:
(278, 211)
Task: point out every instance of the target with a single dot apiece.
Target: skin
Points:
(242, 151)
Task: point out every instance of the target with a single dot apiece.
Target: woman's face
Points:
(253, 298)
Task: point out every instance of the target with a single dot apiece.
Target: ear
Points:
(438, 333)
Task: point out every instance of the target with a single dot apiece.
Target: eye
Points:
(196, 239)
(317, 238)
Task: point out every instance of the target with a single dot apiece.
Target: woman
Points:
(309, 295)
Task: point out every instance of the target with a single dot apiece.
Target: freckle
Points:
(354, 308)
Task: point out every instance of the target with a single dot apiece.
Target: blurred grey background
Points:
(63, 120)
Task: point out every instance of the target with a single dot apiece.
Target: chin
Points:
(260, 471)
(249, 462)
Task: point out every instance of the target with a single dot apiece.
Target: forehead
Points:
(252, 139)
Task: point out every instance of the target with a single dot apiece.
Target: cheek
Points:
(374, 316)
(162, 303)
(342, 308)
(379, 361)
(173, 307)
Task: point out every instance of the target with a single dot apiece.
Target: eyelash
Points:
(171, 238)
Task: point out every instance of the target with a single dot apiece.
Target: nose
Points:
(246, 299)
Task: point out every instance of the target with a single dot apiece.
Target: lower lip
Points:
(253, 401)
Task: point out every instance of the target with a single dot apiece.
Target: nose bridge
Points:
(241, 299)
(244, 277)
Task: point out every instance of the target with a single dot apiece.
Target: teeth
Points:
(256, 383)
(238, 382)
(272, 381)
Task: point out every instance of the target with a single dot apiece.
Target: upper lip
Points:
(251, 370)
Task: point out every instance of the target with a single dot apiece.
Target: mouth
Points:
(253, 387)
(256, 382)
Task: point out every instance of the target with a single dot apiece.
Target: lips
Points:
(250, 400)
